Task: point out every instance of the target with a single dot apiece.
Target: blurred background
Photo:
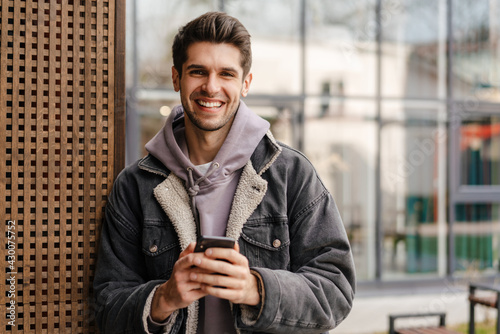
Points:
(396, 103)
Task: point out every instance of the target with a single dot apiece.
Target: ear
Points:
(176, 79)
(246, 84)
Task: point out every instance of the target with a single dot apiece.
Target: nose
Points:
(211, 85)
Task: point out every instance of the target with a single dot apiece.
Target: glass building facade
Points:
(396, 103)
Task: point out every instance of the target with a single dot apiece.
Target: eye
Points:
(196, 72)
(228, 74)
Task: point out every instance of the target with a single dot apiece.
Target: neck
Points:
(203, 146)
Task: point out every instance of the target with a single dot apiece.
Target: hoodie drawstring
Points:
(194, 188)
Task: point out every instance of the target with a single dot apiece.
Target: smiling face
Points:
(211, 85)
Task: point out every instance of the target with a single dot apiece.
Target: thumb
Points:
(189, 249)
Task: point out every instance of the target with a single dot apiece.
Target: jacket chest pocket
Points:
(160, 247)
(266, 243)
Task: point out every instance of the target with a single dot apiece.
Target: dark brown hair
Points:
(213, 27)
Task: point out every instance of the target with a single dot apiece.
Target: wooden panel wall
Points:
(61, 127)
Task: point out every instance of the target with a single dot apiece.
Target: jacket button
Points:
(153, 248)
(276, 243)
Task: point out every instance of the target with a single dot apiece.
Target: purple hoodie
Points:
(213, 195)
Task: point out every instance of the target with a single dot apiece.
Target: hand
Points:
(179, 291)
(231, 280)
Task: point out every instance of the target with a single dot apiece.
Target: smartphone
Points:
(204, 242)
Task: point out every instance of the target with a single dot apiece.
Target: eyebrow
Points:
(195, 67)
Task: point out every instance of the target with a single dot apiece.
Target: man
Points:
(215, 169)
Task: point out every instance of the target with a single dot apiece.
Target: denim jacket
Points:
(286, 224)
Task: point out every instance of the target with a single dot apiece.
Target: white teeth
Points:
(210, 104)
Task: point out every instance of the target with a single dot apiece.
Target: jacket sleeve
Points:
(121, 285)
(317, 292)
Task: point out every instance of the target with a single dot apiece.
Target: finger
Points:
(217, 266)
(231, 255)
(189, 249)
(190, 286)
(188, 261)
(214, 280)
(228, 254)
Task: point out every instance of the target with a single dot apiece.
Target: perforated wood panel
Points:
(61, 115)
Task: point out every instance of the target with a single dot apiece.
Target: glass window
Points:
(279, 115)
(480, 151)
(157, 24)
(340, 56)
(276, 51)
(477, 237)
(341, 144)
(476, 51)
(414, 48)
(413, 186)
(340, 112)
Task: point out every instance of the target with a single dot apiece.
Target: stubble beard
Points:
(197, 122)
